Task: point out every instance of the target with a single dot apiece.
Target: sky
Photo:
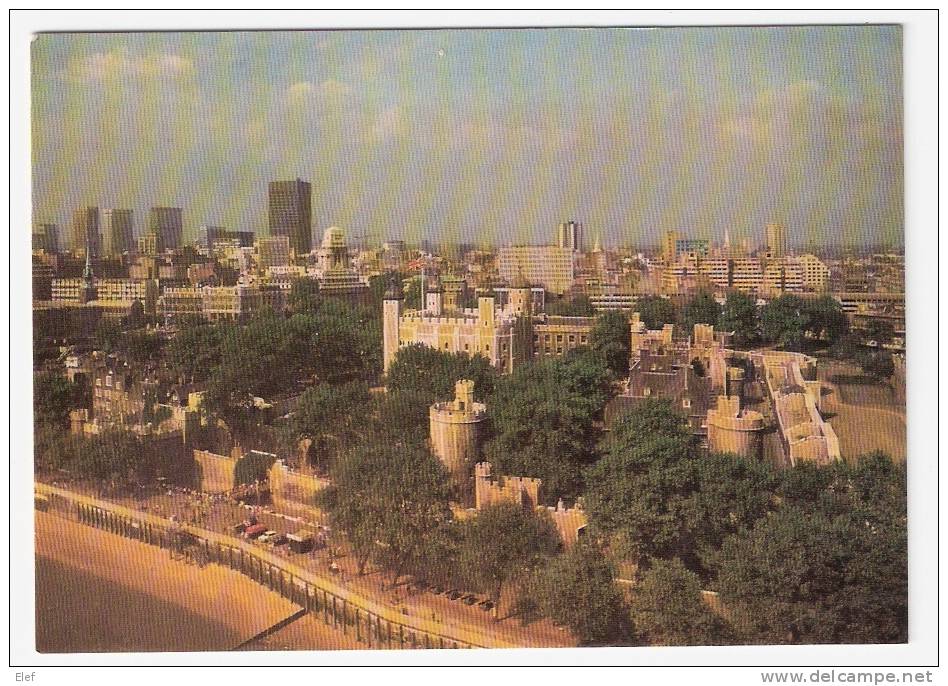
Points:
(487, 136)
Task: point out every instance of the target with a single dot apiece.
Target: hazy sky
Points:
(483, 135)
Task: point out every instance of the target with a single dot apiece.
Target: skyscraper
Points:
(117, 235)
(85, 231)
(46, 238)
(291, 213)
(165, 223)
(777, 240)
(670, 246)
(570, 235)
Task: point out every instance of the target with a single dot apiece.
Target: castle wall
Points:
(570, 523)
(520, 490)
(290, 488)
(215, 472)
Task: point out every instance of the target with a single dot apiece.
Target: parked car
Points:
(454, 594)
(469, 599)
(300, 542)
(486, 605)
(254, 531)
(266, 536)
(279, 539)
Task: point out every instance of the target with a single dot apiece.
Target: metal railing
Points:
(339, 610)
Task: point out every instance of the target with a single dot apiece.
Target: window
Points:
(582, 339)
(559, 338)
(466, 346)
(686, 402)
(572, 338)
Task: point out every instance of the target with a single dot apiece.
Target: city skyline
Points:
(494, 136)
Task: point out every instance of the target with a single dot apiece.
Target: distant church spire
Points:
(89, 292)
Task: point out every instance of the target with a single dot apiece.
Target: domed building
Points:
(335, 274)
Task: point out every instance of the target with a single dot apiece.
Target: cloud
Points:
(102, 66)
(390, 124)
(330, 89)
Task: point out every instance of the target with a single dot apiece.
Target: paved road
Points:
(456, 624)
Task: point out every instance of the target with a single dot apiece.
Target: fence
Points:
(342, 613)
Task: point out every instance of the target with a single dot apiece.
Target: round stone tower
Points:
(456, 429)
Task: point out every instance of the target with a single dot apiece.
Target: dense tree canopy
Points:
(578, 305)
(783, 321)
(610, 338)
(656, 311)
(53, 398)
(577, 589)
(391, 500)
(878, 365)
(503, 542)
(739, 316)
(433, 373)
(544, 419)
(879, 330)
(667, 608)
(701, 309)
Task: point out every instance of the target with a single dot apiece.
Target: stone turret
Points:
(391, 316)
(733, 430)
(456, 432)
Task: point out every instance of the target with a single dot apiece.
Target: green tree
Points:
(825, 319)
(638, 494)
(107, 334)
(252, 467)
(656, 311)
(304, 295)
(195, 351)
(847, 347)
(136, 315)
(504, 542)
(739, 315)
(667, 608)
(578, 305)
(53, 398)
(801, 576)
(878, 365)
(391, 500)
(422, 369)
(545, 421)
(140, 347)
(577, 589)
(879, 330)
(701, 309)
(784, 321)
(610, 338)
(413, 294)
(731, 494)
(329, 416)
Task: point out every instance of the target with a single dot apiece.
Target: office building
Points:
(165, 223)
(273, 252)
(777, 240)
(46, 238)
(210, 236)
(549, 266)
(85, 231)
(117, 234)
(291, 214)
(570, 235)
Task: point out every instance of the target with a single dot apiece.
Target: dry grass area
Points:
(99, 592)
(866, 417)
